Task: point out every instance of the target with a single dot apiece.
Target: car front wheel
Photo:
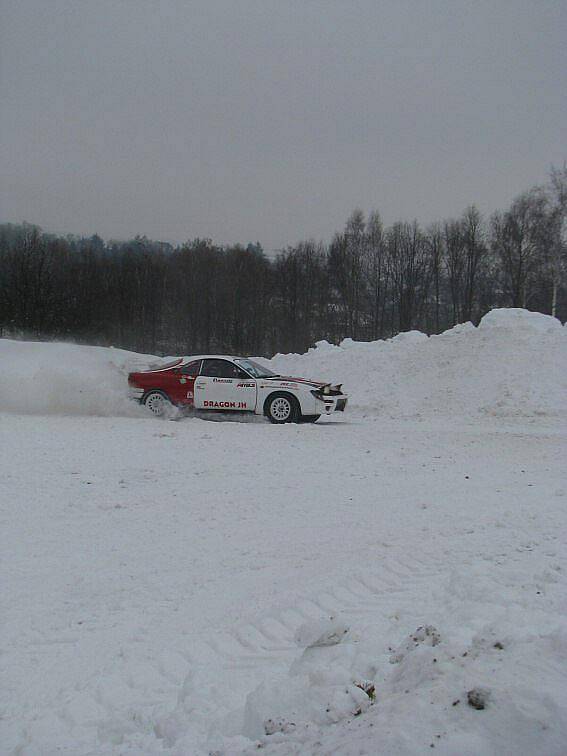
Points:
(282, 408)
(158, 403)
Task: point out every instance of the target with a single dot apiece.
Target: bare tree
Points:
(474, 254)
(516, 239)
(370, 282)
(346, 260)
(407, 259)
(376, 271)
(556, 252)
(435, 243)
(455, 266)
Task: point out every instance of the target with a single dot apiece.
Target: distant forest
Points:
(370, 282)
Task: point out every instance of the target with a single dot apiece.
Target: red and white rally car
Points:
(215, 382)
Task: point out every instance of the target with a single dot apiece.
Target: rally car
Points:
(214, 382)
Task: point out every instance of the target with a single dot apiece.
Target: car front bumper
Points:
(330, 403)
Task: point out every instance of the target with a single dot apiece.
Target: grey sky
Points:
(271, 120)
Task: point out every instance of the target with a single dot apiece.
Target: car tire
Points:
(281, 408)
(158, 403)
(309, 418)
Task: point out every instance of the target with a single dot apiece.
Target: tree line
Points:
(370, 282)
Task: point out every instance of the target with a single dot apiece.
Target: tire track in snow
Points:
(357, 595)
(194, 673)
(263, 647)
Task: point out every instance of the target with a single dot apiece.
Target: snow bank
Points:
(192, 595)
(488, 679)
(66, 379)
(515, 318)
(513, 364)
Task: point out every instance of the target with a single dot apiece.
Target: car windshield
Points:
(258, 371)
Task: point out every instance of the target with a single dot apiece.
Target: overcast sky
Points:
(270, 120)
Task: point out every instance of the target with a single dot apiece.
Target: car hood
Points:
(292, 379)
(288, 381)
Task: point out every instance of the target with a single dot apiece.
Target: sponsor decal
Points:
(189, 395)
(224, 405)
(222, 380)
(293, 382)
(245, 385)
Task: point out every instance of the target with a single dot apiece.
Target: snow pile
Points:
(66, 379)
(321, 688)
(489, 682)
(513, 364)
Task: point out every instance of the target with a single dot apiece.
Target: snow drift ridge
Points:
(513, 365)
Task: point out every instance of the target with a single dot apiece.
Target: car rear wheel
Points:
(158, 403)
(282, 408)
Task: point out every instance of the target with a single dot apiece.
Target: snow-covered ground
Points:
(220, 585)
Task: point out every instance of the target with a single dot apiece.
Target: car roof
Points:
(191, 357)
(169, 362)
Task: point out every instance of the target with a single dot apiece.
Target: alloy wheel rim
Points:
(281, 408)
(156, 404)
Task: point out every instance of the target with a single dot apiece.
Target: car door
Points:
(183, 383)
(223, 385)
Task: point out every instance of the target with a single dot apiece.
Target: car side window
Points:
(219, 369)
(192, 368)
